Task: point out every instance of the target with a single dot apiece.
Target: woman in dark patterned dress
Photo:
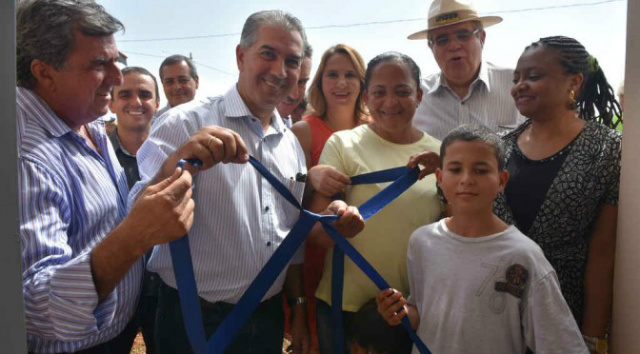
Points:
(564, 165)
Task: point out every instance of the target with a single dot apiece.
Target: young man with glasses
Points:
(467, 90)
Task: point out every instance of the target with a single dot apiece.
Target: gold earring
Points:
(572, 99)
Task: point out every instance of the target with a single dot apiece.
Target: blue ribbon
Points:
(183, 268)
(403, 178)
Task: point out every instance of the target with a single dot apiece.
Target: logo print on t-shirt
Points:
(517, 276)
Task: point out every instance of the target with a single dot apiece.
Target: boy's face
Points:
(469, 178)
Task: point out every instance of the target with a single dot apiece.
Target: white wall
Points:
(625, 334)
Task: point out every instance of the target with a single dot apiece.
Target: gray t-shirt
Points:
(494, 294)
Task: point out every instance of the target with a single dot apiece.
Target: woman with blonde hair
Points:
(335, 97)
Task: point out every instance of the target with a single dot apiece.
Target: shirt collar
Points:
(41, 113)
(117, 144)
(440, 82)
(236, 108)
(483, 76)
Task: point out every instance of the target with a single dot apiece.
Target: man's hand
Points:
(211, 145)
(164, 211)
(328, 181)
(391, 306)
(428, 159)
(350, 223)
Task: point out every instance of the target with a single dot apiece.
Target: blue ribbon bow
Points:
(403, 178)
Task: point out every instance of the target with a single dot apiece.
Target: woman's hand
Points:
(429, 160)
(328, 181)
(350, 223)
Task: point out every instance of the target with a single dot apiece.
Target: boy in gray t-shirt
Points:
(477, 284)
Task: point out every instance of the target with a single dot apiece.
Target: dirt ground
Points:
(140, 348)
(138, 345)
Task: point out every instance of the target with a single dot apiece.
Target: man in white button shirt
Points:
(468, 90)
(240, 219)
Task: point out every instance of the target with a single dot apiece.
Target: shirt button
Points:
(266, 208)
(268, 243)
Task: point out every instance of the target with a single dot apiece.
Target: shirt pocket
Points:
(288, 211)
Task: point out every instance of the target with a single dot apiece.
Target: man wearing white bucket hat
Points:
(468, 90)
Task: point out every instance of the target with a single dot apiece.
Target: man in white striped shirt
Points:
(468, 90)
(81, 257)
(240, 219)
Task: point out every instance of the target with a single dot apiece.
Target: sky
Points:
(209, 30)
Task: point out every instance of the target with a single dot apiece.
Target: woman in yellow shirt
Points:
(392, 93)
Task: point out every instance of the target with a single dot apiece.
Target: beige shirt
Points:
(386, 235)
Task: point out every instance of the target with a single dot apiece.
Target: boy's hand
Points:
(391, 306)
(428, 159)
(350, 223)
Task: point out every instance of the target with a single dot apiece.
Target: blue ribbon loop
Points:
(403, 178)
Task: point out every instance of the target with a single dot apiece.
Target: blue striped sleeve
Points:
(61, 302)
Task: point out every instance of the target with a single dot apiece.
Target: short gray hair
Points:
(45, 30)
(308, 50)
(276, 18)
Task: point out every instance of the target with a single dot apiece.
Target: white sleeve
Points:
(167, 136)
(548, 325)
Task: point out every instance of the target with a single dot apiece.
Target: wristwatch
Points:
(595, 344)
(292, 301)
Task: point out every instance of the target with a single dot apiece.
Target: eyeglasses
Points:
(462, 36)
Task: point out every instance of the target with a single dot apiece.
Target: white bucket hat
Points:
(449, 12)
